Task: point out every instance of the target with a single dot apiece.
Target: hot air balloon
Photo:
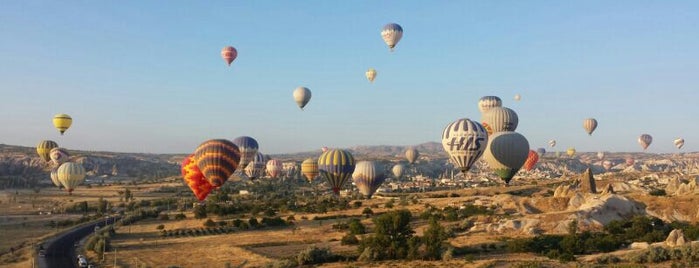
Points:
(217, 159)
(500, 119)
(629, 161)
(195, 179)
(71, 175)
(391, 34)
(645, 140)
(506, 153)
(309, 168)
(679, 142)
(488, 102)
(464, 140)
(607, 165)
(411, 154)
(54, 177)
(336, 166)
(590, 124)
(541, 152)
(371, 75)
(274, 168)
(517, 97)
(44, 149)
(229, 54)
(59, 156)
(248, 149)
(324, 148)
(302, 95)
(600, 155)
(398, 170)
(552, 143)
(368, 176)
(256, 168)
(62, 122)
(570, 152)
(531, 161)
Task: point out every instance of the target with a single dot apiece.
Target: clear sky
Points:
(146, 76)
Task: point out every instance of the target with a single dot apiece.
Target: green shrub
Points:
(160, 227)
(349, 239)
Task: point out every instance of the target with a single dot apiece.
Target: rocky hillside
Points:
(22, 167)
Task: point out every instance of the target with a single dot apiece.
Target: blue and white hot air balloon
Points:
(391, 34)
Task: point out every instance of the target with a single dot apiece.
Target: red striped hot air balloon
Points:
(531, 161)
(195, 179)
(217, 159)
(229, 54)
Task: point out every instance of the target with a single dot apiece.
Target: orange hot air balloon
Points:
(229, 54)
(195, 179)
(217, 159)
(532, 159)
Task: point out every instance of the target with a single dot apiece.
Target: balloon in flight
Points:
(371, 75)
(62, 122)
(465, 141)
(412, 154)
(54, 177)
(368, 176)
(531, 161)
(229, 54)
(336, 166)
(645, 140)
(248, 149)
(309, 169)
(301, 96)
(397, 171)
(255, 168)
(679, 142)
(590, 124)
(607, 165)
(570, 152)
(59, 156)
(391, 34)
(552, 143)
(500, 119)
(541, 152)
(44, 149)
(71, 175)
(274, 168)
(195, 179)
(518, 97)
(488, 102)
(506, 153)
(217, 159)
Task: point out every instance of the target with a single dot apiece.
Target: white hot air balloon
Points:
(518, 97)
(398, 170)
(488, 102)
(368, 176)
(302, 95)
(371, 75)
(600, 155)
(499, 119)
(465, 141)
(679, 142)
(412, 154)
(71, 175)
(552, 143)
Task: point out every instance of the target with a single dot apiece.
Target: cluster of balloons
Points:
(63, 172)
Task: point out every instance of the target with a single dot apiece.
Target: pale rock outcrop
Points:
(608, 190)
(676, 238)
(639, 245)
(576, 201)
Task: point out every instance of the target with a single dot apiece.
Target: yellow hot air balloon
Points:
(309, 168)
(71, 175)
(44, 149)
(62, 122)
(570, 152)
(371, 75)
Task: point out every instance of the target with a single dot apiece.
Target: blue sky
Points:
(146, 76)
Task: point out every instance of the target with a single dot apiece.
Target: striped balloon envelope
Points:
(336, 166)
(391, 34)
(274, 168)
(506, 153)
(465, 141)
(531, 161)
(62, 122)
(217, 159)
(229, 54)
(248, 149)
(488, 102)
(412, 154)
(59, 156)
(500, 119)
(309, 169)
(44, 149)
(590, 124)
(71, 175)
(368, 176)
(195, 179)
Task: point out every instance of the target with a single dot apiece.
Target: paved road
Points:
(60, 251)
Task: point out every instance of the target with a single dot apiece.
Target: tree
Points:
(356, 227)
(128, 195)
(101, 205)
(434, 238)
(200, 212)
(367, 211)
(391, 235)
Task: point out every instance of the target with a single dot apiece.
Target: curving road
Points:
(60, 250)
